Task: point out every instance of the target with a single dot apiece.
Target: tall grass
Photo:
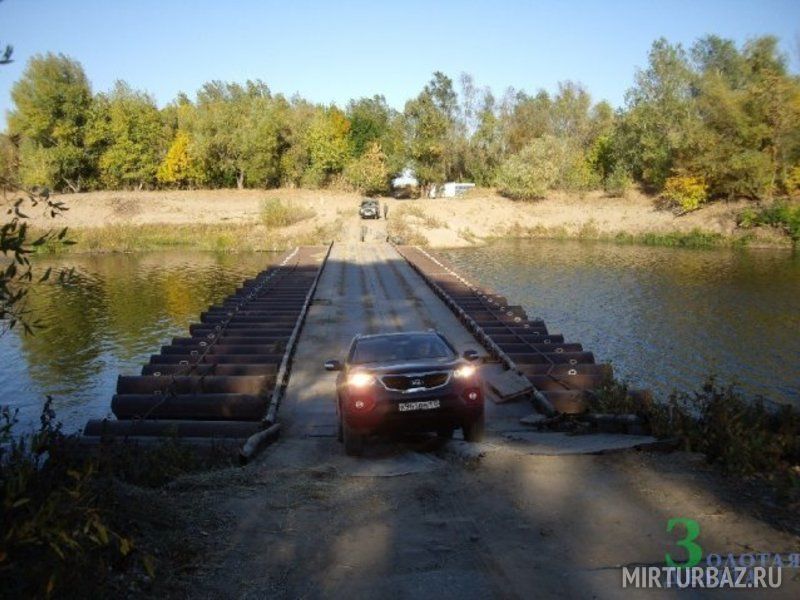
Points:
(784, 216)
(750, 437)
(277, 213)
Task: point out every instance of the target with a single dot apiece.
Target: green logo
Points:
(692, 529)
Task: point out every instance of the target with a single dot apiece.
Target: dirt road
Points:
(416, 518)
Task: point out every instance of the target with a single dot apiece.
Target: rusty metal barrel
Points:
(563, 372)
(221, 379)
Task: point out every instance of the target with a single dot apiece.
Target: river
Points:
(120, 310)
(666, 318)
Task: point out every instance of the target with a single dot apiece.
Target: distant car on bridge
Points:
(369, 209)
(412, 381)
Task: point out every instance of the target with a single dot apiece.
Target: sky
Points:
(337, 50)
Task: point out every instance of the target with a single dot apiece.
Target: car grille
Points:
(402, 383)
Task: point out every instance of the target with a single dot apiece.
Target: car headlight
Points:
(464, 371)
(360, 380)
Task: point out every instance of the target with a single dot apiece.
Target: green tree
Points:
(486, 144)
(295, 158)
(262, 139)
(52, 103)
(9, 159)
(658, 129)
(126, 129)
(369, 173)
(524, 118)
(750, 110)
(328, 145)
(370, 120)
(430, 121)
(234, 134)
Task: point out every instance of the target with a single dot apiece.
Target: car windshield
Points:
(392, 348)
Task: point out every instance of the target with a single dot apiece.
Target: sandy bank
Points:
(438, 223)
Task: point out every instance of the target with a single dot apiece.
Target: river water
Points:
(122, 308)
(665, 318)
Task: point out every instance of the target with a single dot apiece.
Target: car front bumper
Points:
(455, 410)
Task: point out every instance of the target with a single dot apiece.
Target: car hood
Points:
(415, 366)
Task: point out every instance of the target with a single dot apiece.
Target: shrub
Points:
(56, 533)
(793, 181)
(276, 213)
(576, 174)
(743, 436)
(685, 192)
(782, 215)
(369, 173)
(618, 182)
(545, 164)
(533, 171)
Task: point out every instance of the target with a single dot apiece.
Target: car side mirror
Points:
(470, 355)
(333, 365)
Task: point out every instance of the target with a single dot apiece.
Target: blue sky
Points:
(336, 50)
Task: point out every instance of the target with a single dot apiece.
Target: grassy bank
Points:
(205, 237)
(247, 220)
(695, 238)
(746, 437)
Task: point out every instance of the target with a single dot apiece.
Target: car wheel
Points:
(475, 430)
(353, 442)
(446, 433)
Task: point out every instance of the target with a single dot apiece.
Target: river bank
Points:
(235, 220)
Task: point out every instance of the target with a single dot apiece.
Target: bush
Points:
(576, 173)
(793, 181)
(685, 192)
(533, 171)
(56, 533)
(618, 182)
(545, 164)
(369, 173)
(276, 213)
(742, 436)
(782, 215)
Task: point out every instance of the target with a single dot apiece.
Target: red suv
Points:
(415, 381)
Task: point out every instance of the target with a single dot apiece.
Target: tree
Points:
(9, 159)
(295, 159)
(369, 173)
(328, 145)
(524, 118)
(750, 109)
(262, 140)
(179, 168)
(15, 240)
(126, 128)
(570, 114)
(485, 145)
(52, 103)
(659, 127)
(369, 122)
(430, 127)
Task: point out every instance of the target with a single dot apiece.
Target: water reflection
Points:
(122, 308)
(665, 317)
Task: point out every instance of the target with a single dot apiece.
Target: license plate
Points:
(422, 405)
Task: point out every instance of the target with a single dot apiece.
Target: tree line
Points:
(716, 120)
